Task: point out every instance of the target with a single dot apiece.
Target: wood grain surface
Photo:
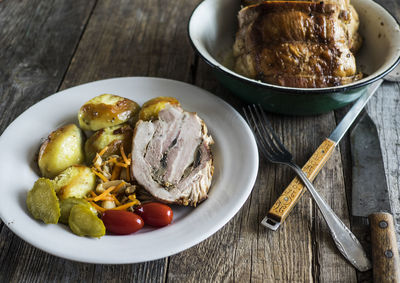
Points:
(56, 44)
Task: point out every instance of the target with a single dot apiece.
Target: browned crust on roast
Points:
(297, 43)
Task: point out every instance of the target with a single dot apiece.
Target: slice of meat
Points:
(171, 157)
(297, 44)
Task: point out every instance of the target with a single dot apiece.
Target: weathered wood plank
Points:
(153, 271)
(38, 39)
(357, 226)
(140, 38)
(20, 262)
(209, 261)
(332, 189)
(105, 52)
(384, 110)
(288, 254)
(213, 259)
(305, 138)
(134, 38)
(246, 249)
(148, 38)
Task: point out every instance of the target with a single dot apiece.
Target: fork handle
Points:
(291, 195)
(344, 239)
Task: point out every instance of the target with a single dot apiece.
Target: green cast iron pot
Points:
(212, 28)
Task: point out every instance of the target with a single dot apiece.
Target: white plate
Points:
(236, 165)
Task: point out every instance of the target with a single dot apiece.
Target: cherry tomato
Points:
(122, 222)
(155, 214)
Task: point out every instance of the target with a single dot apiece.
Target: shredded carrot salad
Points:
(120, 171)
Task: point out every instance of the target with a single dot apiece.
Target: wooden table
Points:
(47, 46)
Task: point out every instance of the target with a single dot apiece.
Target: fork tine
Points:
(264, 126)
(267, 130)
(253, 125)
(266, 143)
(259, 138)
(278, 145)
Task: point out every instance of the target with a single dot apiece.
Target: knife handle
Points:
(385, 253)
(290, 196)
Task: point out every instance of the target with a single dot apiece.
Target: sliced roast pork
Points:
(171, 157)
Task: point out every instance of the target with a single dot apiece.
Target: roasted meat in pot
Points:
(171, 157)
(298, 43)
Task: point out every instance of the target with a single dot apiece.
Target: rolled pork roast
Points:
(298, 43)
(171, 157)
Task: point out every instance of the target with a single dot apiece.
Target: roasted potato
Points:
(151, 108)
(112, 137)
(61, 149)
(106, 110)
(75, 181)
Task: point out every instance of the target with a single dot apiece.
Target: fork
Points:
(273, 149)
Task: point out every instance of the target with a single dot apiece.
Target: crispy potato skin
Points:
(151, 108)
(61, 149)
(75, 181)
(112, 137)
(106, 110)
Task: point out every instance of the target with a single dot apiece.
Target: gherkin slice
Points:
(42, 201)
(66, 206)
(83, 222)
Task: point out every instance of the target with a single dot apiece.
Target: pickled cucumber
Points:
(66, 206)
(42, 201)
(83, 222)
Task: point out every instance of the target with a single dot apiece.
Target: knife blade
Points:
(370, 198)
(290, 196)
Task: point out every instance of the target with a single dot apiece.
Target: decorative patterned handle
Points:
(385, 254)
(344, 239)
(285, 203)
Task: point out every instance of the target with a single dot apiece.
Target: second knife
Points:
(370, 198)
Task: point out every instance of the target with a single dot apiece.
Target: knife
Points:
(290, 196)
(370, 198)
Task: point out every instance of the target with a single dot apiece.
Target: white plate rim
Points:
(90, 254)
